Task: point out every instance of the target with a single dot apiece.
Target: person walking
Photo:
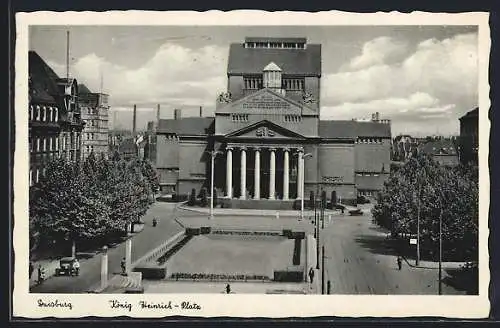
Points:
(41, 274)
(400, 262)
(124, 265)
(311, 274)
(76, 266)
(31, 268)
(228, 289)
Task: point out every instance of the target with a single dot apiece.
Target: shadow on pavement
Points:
(465, 280)
(377, 244)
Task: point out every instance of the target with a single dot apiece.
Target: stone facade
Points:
(94, 108)
(267, 134)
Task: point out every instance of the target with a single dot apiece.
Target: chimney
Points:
(134, 126)
(158, 114)
(201, 111)
(374, 117)
(377, 116)
(177, 114)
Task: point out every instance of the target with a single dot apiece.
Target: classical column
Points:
(257, 174)
(300, 171)
(286, 174)
(243, 174)
(272, 174)
(229, 173)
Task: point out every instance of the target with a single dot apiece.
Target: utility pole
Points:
(440, 246)
(317, 239)
(323, 270)
(417, 261)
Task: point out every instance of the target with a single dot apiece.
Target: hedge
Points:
(216, 276)
(151, 271)
(288, 276)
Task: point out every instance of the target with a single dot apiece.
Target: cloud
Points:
(379, 51)
(438, 78)
(173, 75)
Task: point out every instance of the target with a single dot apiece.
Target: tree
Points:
(333, 198)
(423, 186)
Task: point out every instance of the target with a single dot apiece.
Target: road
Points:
(358, 260)
(90, 271)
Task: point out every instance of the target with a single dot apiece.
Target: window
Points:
(38, 144)
(49, 116)
(55, 114)
(37, 176)
(293, 84)
(31, 177)
(50, 143)
(31, 112)
(44, 114)
(57, 143)
(38, 113)
(253, 82)
(44, 144)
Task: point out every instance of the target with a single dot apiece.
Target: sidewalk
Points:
(90, 268)
(251, 212)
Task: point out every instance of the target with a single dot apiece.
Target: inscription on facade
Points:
(264, 132)
(333, 179)
(265, 102)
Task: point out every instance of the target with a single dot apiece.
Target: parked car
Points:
(356, 212)
(67, 267)
(363, 200)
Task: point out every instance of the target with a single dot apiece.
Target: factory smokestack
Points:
(158, 114)
(201, 111)
(134, 123)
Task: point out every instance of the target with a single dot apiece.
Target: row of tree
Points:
(90, 202)
(419, 194)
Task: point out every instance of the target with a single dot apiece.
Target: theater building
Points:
(268, 135)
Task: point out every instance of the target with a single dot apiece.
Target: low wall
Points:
(260, 204)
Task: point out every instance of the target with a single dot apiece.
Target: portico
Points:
(264, 171)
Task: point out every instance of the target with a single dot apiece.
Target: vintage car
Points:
(356, 212)
(66, 267)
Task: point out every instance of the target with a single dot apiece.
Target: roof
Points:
(187, 126)
(82, 88)
(439, 147)
(43, 85)
(292, 61)
(353, 129)
(275, 39)
(471, 114)
(272, 67)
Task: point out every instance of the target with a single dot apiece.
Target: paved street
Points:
(143, 242)
(358, 261)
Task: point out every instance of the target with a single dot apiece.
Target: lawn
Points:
(228, 254)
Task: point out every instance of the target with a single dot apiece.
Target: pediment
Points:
(264, 129)
(264, 101)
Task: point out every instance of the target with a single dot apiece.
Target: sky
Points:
(423, 78)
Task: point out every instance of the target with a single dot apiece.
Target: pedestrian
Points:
(31, 269)
(41, 274)
(228, 289)
(76, 266)
(400, 262)
(311, 274)
(124, 265)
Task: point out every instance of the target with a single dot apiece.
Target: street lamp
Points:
(302, 156)
(213, 154)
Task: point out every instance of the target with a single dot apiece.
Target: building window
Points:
(293, 84)
(57, 143)
(38, 113)
(55, 114)
(37, 177)
(253, 82)
(31, 177)
(44, 144)
(44, 114)
(38, 144)
(50, 143)
(31, 112)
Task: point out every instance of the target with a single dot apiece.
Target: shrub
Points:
(192, 198)
(289, 276)
(205, 230)
(203, 196)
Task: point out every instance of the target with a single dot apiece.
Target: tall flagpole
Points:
(67, 55)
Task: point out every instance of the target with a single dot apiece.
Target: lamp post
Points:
(441, 196)
(302, 156)
(213, 154)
